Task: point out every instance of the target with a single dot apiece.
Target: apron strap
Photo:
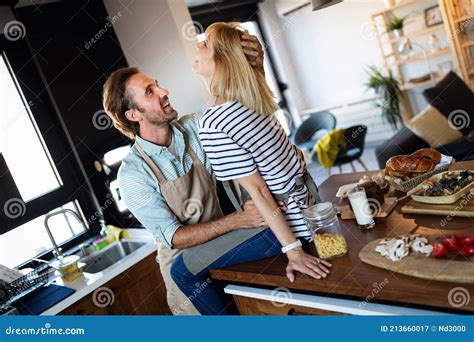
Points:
(156, 171)
(307, 180)
(230, 191)
(188, 147)
(191, 151)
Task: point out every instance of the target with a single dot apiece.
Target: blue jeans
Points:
(206, 295)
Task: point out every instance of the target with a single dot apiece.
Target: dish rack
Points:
(24, 285)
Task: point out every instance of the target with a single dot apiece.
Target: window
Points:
(30, 239)
(38, 172)
(21, 145)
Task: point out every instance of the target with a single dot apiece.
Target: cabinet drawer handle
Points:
(292, 312)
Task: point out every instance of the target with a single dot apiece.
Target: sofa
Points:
(451, 114)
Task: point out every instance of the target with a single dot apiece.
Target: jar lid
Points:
(320, 211)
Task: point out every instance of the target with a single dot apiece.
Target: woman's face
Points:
(204, 64)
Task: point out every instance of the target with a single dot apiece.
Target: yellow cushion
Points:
(433, 127)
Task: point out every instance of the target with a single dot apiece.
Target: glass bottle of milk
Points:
(361, 208)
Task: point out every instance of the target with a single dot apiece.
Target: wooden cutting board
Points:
(462, 208)
(419, 266)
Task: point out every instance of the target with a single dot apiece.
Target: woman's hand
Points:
(305, 263)
(253, 50)
(268, 208)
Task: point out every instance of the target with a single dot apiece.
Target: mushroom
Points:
(426, 250)
(420, 244)
(397, 248)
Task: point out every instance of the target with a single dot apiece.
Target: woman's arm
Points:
(263, 200)
(199, 233)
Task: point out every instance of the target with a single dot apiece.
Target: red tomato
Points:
(439, 250)
(452, 244)
(466, 240)
(467, 250)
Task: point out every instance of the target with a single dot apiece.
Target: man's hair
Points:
(117, 100)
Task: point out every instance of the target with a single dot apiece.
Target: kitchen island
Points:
(353, 287)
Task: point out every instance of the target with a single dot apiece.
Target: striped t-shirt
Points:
(238, 142)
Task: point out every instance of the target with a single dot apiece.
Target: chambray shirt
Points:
(140, 189)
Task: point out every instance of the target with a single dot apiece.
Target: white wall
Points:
(156, 37)
(324, 54)
(274, 26)
(328, 52)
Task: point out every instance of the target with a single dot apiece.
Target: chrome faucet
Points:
(57, 251)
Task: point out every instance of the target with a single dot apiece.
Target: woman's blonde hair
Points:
(235, 79)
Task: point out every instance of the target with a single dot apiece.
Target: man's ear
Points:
(131, 115)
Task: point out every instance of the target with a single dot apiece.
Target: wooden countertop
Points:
(352, 278)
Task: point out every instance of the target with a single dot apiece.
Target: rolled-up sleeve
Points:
(147, 204)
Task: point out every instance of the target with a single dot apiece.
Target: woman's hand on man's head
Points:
(253, 50)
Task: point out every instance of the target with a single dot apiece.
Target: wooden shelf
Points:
(388, 44)
(390, 9)
(468, 44)
(409, 85)
(418, 33)
(467, 17)
(420, 57)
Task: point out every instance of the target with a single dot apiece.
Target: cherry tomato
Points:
(452, 244)
(467, 250)
(439, 250)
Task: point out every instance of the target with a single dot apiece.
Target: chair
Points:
(304, 135)
(354, 141)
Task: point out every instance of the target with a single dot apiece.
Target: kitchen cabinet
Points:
(139, 290)
(254, 306)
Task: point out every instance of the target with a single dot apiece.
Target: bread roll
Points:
(409, 164)
(429, 153)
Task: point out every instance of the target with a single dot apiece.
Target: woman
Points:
(245, 143)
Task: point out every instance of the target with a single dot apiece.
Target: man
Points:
(166, 181)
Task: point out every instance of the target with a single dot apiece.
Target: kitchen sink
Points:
(100, 260)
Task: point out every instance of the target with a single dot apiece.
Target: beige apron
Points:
(193, 199)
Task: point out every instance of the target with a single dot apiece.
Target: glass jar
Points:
(324, 225)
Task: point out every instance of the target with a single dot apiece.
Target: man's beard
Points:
(163, 118)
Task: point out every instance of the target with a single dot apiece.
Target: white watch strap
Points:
(291, 246)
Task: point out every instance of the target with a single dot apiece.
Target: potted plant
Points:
(388, 88)
(396, 25)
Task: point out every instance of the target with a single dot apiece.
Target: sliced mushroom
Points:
(426, 250)
(397, 248)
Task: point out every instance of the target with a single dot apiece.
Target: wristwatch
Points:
(291, 246)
